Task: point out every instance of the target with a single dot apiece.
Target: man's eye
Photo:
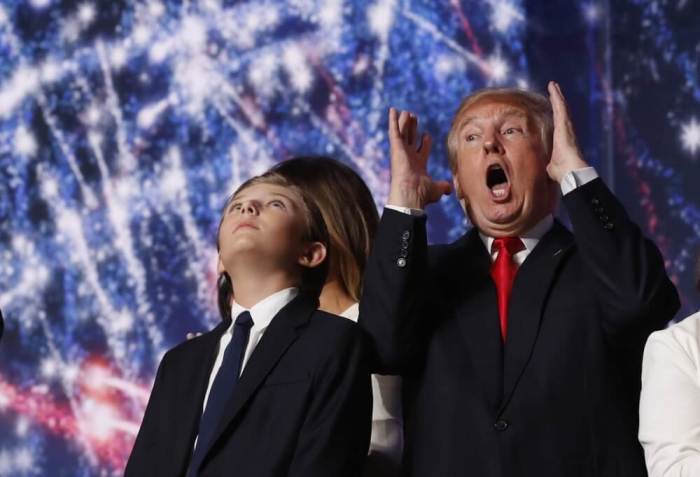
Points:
(510, 131)
(471, 137)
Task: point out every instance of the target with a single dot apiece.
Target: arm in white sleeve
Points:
(577, 178)
(669, 408)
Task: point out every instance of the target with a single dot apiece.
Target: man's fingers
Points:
(438, 189)
(411, 127)
(404, 119)
(444, 187)
(393, 124)
(559, 106)
(556, 99)
(426, 142)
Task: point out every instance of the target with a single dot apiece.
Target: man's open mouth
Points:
(497, 182)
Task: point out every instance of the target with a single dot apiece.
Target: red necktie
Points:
(503, 271)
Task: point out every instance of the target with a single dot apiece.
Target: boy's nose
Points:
(249, 208)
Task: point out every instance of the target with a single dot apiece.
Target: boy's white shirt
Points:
(262, 313)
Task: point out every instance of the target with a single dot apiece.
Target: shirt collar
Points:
(530, 238)
(265, 310)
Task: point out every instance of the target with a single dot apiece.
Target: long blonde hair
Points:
(348, 210)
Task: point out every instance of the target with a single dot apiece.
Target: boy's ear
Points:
(313, 255)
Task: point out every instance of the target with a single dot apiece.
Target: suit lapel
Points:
(280, 334)
(475, 301)
(531, 288)
(190, 410)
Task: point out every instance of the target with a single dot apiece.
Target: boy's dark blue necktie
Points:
(222, 389)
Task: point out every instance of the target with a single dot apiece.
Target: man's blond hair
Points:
(535, 105)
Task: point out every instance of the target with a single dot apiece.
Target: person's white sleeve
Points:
(669, 408)
(577, 178)
(406, 210)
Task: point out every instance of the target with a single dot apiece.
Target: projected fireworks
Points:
(123, 126)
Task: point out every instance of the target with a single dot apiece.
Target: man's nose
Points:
(491, 146)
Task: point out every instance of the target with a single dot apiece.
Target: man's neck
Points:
(530, 237)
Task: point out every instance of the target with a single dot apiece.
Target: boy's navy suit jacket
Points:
(560, 398)
(302, 406)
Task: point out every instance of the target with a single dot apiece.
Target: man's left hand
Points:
(566, 156)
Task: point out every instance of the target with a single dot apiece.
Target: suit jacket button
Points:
(500, 425)
(609, 226)
(406, 235)
(595, 201)
(401, 262)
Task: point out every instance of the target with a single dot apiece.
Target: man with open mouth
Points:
(520, 343)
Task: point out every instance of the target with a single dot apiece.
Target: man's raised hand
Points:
(411, 186)
(566, 156)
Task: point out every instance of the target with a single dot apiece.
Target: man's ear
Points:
(313, 255)
(459, 194)
(458, 189)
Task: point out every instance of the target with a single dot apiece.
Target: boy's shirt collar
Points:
(265, 310)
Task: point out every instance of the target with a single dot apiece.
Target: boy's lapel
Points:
(190, 411)
(280, 334)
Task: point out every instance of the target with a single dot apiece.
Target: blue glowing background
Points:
(123, 126)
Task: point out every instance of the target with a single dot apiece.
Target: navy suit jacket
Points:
(560, 397)
(302, 406)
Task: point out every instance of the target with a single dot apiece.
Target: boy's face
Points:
(265, 223)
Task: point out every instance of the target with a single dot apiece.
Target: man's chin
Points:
(499, 222)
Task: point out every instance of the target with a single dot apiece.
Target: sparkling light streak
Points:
(690, 136)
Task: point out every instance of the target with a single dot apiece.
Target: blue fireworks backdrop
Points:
(124, 125)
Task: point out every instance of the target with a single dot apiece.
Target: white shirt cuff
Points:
(577, 178)
(406, 210)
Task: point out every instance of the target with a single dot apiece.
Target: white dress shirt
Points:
(530, 239)
(669, 407)
(262, 313)
(387, 418)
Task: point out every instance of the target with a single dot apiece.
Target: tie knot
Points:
(511, 245)
(244, 320)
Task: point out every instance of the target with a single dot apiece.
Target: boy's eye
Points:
(277, 203)
(471, 137)
(235, 206)
(509, 131)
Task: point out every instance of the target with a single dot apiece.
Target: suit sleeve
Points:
(140, 459)
(669, 415)
(334, 437)
(395, 291)
(627, 270)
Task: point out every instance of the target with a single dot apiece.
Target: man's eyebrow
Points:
(510, 112)
(514, 112)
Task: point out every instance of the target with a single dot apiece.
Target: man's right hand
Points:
(411, 186)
